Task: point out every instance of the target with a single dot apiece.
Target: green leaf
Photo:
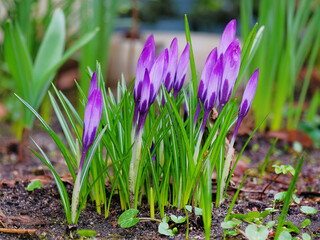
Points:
(254, 214)
(284, 169)
(34, 184)
(178, 219)
(164, 229)
(51, 47)
(305, 223)
(61, 188)
(127, 218)
(165, 219)
(306, 236)
(86, 233)
(296, 199)
(230, 224)
(270, 224)
(284, 235)
(280, 196)
(18, 59)
(231, 232)
(198, 211)
(257, 233)
(308, 210)
(292, 228)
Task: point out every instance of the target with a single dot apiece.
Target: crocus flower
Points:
(92, 117)
(172, 65)
(181, 70)
(231, 66)
(145, 61)
(227, 37)
(212, 91)
(247, 99)
(150, 87)
(205, 76)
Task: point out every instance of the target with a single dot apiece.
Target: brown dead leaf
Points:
(8, 182)
(45, 179)
(67, 179)
(292, 136)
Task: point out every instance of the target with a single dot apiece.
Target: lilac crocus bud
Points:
(231, 66)
(227, 37)
(172, 65)
(205, 76)
(145, 61)
(213, 86)
(157, 74)
(93, 84)
(91, 122)
(247, 99)
(181, 70)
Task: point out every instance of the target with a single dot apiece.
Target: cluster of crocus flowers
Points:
(92, 116)
(150, 74)
(219, 74)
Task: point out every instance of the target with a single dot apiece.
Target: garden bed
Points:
(41, 210)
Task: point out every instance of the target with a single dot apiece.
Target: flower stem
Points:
(134, 166)
(226, 170)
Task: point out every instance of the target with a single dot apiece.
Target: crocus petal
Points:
(227, 37)
(248, 94)
(181, 70)
(145, 93)
(172, 65)
(92, 117)
(157, 73)
(206, 73)
(213, 85)
(231, 66)
(93, 84)
(145, 61)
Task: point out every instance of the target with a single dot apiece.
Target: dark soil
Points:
(42, 210)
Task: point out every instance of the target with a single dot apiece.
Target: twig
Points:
(265, 188)
(18, 231)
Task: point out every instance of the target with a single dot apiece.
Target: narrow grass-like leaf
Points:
(287, 201)
(61, 188)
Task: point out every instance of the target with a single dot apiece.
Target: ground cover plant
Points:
(157, 159)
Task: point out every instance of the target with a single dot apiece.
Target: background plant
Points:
(32, 79)
(291, 41)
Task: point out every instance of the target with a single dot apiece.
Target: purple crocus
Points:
(227, 37)
(172, 65)
(145, 61)
(231, 66)
(212, 90)
(247, 99)
(92, 117)
(205, 76)
(150, 87)
(181, 70)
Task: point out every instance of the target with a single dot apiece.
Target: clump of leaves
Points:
(167, 226)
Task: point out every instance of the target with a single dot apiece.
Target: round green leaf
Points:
(308, 210)
(127, 218)
(164, 229)
(34, 184)
(178, 219)
(257, 233)
(306, 236)
(284, 235)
